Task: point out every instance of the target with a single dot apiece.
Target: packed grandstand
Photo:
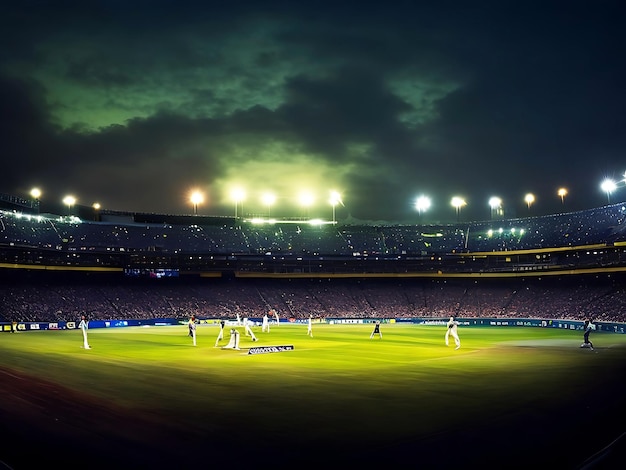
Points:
(55, 268)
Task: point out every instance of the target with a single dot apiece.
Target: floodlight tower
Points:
(238, 195)
(269, 199)
(608, 186)
(422, 204)
(36, 195)
(306, 200)
(458, 202)
(69, 201)
(196, 198)
(496, 206)
(562, 192)
(529, 199)
(335, 198)
(96, 211)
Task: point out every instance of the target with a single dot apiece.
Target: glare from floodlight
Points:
(238, 195)
(562, 192)
(69, 201)
(529, 199)
(196, 198)
(608, 186)
(96, 206)
(496, 205)
(422, 204)
(458, 202)
(35, 193)
(306, 200)
(269, 199)
(335, 198)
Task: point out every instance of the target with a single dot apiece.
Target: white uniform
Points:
(452, 331)
(84, 326)
(310, 327)
(266, 325)
(192, 329)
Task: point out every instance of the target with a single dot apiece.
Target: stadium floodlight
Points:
(96, 208)
(196, 198)
(496, 205)
(529, 199)
(238, 195)
(36, 194)
(306, 200)
(422, 204)
(69, 201)
(335, 198)
(458, 202)
(608, 186)
(562, 192)
(269, 199)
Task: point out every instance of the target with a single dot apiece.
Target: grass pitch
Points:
(145, 394)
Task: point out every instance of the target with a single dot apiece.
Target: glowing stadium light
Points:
(238, 195)
(335, 198)
(422, 204)
(496, 206)
(196, 198)
(96, 209)
(529, 199)
(458, 202)
(306, 200)
(608, 186)
(562, 192)
(269, 199)
(36, 195)
(69, 201)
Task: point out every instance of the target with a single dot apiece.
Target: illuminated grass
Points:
(405, 385)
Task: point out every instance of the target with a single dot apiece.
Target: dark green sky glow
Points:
(133, 104)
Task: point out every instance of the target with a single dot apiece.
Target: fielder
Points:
(588, 327)
(248, 330)
(452, 331)
(220, 335)
(84, 326)
(192, 328)
(310, 327)
(265, 327)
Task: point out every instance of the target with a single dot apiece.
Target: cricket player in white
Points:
(452, 331)
(192, 328)
(220, 335)
(248, 330)
(84, 326)
(310, 327)
(265, 328)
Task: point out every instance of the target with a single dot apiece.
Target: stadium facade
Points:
(584, 242)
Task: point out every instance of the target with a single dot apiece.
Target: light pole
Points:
(496, 206)
(306, 201)
(196, 198)
(422, 204)
(529, 199)
(335, 198)
(608, 186)
(238, 196)
(96, 211)
(458, 202)
(562, 192)
(269, 199)
(36, 194)
(69, 201)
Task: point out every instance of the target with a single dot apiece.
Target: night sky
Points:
(133, 104)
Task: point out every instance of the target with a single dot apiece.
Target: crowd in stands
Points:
(593, 226)
(56, 300)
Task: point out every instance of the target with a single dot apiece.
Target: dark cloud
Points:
(135, 104)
